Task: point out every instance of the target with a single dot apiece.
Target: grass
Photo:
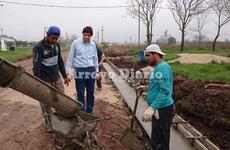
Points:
(172, 53)
(133, 52)
(20, 54)
(211, 71)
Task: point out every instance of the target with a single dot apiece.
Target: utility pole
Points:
(1, 33)
(102, 30)
(66, 36)
(139, 25)
(3, 46)
(98, 37)
(45, 29)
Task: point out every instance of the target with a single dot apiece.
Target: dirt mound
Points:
(206, 104)
(129, 64)
(201, 58)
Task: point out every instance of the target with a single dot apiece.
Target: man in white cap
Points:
(159, 98)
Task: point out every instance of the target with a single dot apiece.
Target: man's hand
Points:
(142, 87)
(69, 77)
(147, 116)
(66, 81)
(101, 63)
(98, 76)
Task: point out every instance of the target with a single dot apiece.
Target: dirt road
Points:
(22, 126)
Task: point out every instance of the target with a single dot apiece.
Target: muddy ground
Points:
(205, 104)
(22, 126)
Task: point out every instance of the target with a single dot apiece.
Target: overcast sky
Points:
(28, 22)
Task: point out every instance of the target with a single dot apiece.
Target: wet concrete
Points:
(129, 95)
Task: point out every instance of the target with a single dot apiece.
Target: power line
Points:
(80, 7)
(60, 6)
(67, 6)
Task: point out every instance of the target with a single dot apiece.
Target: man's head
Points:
(53, 34)
(87, 33)
(154, 54)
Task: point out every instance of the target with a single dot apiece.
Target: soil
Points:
(22, 126)
(207, 109)
(123, 62)
(205, 104)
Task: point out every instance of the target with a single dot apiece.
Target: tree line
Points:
(183, 12)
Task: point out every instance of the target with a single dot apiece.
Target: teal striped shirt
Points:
(159, 93)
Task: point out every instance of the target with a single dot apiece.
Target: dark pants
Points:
(85, 78)
(160, 137)
(99, 81)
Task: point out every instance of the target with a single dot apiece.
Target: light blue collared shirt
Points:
(82, 55)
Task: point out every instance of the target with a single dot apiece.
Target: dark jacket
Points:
(47, 61)
(99, 54)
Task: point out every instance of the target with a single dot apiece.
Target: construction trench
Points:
(203, 104)
(116, 115)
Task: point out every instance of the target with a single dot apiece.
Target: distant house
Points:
(166, 39)
(7, 43)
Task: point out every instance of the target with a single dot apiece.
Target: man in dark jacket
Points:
(47, 62)
(101, 59)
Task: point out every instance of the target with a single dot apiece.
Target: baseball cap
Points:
(154, 48)
(53, 30)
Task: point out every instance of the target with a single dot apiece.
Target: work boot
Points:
(99, 88)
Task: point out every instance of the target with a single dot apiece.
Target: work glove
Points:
(148, 114)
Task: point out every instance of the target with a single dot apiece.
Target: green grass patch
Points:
(172, 53)
(21, 54)
(211, 71)
(170, 56)
(132, 51)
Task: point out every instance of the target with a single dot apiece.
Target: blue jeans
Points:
(85, 78)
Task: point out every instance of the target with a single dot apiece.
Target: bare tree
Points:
(183, 12)
(200, 22)
(148, 9)
(221, 8)
(227, 4)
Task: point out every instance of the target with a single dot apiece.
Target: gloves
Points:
(147, 116)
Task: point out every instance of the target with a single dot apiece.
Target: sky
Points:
(28, 22)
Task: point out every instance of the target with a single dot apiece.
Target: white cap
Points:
(154, 48)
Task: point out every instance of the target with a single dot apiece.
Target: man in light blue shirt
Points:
(83, 57)
(159, 98)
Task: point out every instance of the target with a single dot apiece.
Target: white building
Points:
(7, 43)
(164, 39)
